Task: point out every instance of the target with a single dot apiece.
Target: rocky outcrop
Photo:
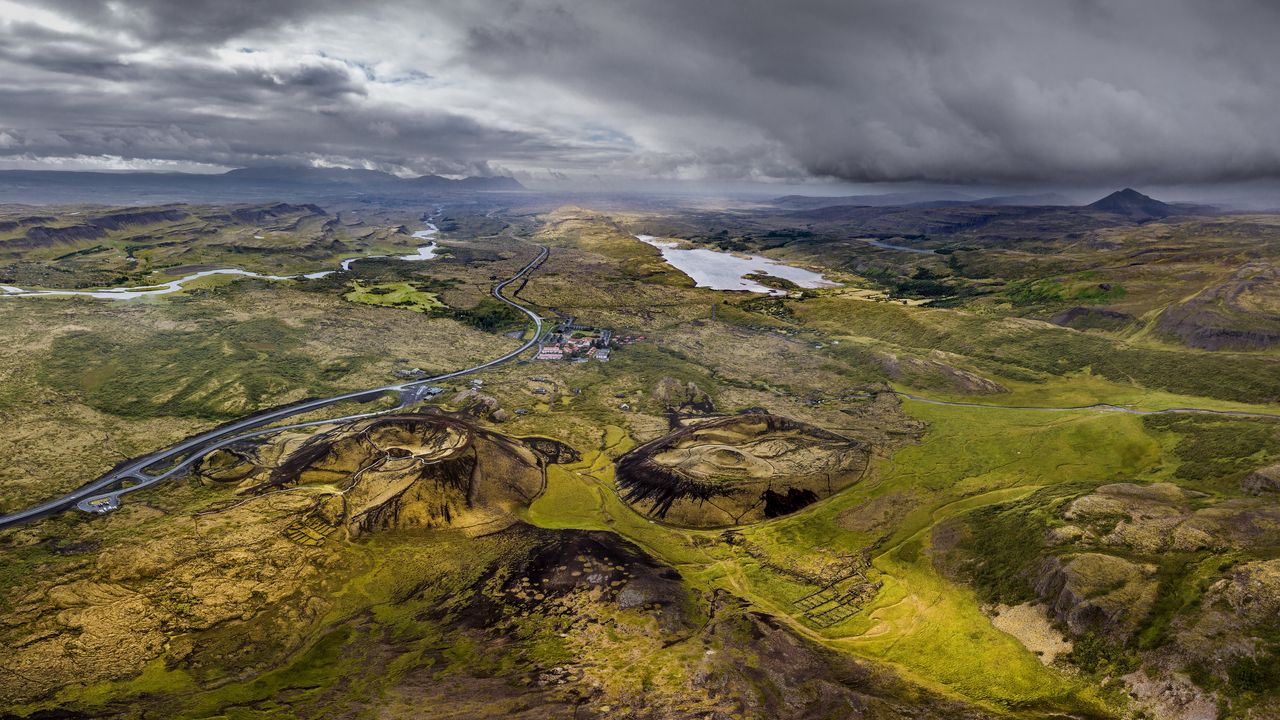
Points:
(1229, 635)
(551, 450)
(679, 397)
(1251, 592)
(1092, 592)
(1171, 696)
(1162, 517)
(479, 405)
(1263, 480)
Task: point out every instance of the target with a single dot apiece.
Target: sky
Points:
(983, 93)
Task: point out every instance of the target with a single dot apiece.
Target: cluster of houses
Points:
(579, 343)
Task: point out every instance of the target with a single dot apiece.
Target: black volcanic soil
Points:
(618, 610)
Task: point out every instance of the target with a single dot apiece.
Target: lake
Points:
(727, 271)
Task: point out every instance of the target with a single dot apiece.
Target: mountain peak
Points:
(1127, 195)
(1133, 205)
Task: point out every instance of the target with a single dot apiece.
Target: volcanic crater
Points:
(738, 469)
(428, 469)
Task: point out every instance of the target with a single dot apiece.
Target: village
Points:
(575, 342)
(568, 340)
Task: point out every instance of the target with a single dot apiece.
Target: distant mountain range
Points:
(365, 179)
(805, 202)
(280, 183)
(1127, 203)
(986, 221)
(927, 198)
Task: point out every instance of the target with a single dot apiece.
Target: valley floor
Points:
(810, 504)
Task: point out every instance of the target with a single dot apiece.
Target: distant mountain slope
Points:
(366, 178)
(923, 198)
(1041, 199)
(143, 224)
(340, 176)
(997, 219)
(810, 202)
(487, 184)
(264, 183)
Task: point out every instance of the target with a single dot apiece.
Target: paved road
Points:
(104, 493)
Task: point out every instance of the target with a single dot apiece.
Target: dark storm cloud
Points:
(194, 21)
(71, 93)
(985, 91)
(905, 90)
(36, 47)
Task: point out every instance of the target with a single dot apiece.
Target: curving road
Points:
(104, 493)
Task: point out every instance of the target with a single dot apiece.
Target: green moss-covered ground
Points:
(398, 295)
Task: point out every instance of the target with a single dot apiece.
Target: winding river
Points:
(424, 252)
(727, 271)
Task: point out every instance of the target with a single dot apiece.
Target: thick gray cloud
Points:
(195, 21)
(986, 91)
